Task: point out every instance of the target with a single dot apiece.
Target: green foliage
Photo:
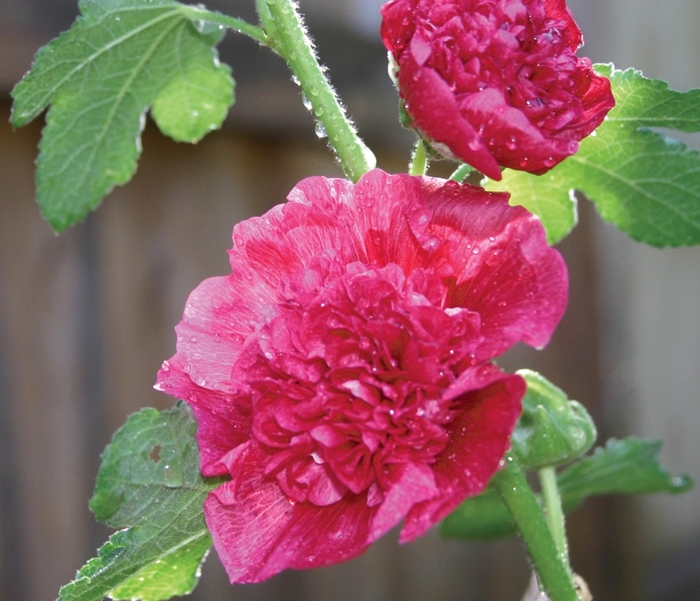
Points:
(628, 466)
(552, 429)
(100, 77)
(645, 183)
(150, 485)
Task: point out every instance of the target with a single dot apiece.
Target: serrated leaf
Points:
(149, 483)
(628, 466)
(100, 77)
(645, 183)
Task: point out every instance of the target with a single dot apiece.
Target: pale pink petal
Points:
(219, 316)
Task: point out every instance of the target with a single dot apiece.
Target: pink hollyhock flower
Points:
(341, 374)
(495, 82)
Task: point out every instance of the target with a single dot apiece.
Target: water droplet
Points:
(206, 27)
(306, 102)
(474, 144)
(320, 130)
(172, 475)
(199, 381)
(452, 187)
(476, 250)
(511, 144)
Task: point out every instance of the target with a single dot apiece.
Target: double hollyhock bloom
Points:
(495, 82)
(341, 375)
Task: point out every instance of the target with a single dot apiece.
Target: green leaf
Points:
(552, 429)
(547, 196)
(628, 466)
(645, 183)
(484, 517)
(100, 77)
(149, 483)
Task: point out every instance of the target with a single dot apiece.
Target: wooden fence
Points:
(87, 317)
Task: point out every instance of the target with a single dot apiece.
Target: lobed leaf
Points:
(150, 485)
(100, 77)
(645, 183)
(628, 466)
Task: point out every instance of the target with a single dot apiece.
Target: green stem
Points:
(553, 510)
(419, 161)
(287, 36)
(461, 172)
(197, 13)
(552, 571)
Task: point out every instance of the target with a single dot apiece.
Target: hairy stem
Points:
(419, 160)
(553, 572)
(461, 172)
(195, 12)
(287, 36)
(553, 510)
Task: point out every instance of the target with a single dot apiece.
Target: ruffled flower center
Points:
(512, 46)
(347, 381)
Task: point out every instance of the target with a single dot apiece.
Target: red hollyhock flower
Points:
(341, 373)
(495, 82)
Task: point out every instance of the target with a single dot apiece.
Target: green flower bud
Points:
(552, 429)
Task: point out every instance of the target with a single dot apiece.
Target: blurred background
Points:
(87, 317)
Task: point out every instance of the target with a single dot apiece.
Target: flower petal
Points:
(257, 532)
(219, 315)
(434, 111)
(478, 439)
(223, 421)
(495, 82)
(500, 266)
